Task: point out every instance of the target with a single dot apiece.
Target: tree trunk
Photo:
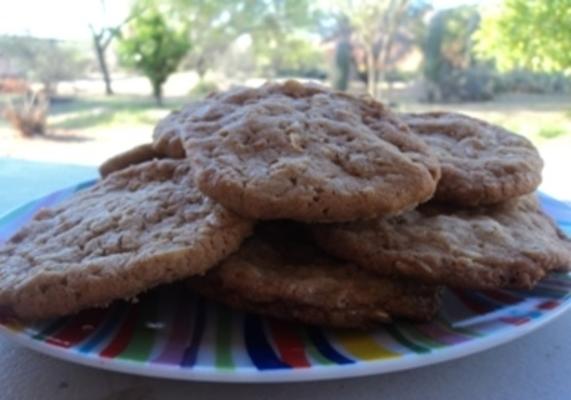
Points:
(102, 61)
(201, 68)
(381, 61)
(50, 88)
(371, 73)
(158, 92)
(381, 76)
(393, 18)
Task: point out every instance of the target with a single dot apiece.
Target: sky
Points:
(70, 19)
(58, 19)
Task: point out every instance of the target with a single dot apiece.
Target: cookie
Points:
(303, 152)
(481, 163)
(283, 276)
(509, 245)
(167, 134)
(137, 228)
(136, 155)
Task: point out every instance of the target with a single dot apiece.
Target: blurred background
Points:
(81, 81)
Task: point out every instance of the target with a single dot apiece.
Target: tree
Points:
(448, 43)
(449, 62)
(46, 61)
(211, 27)
(277, 30)
(154, 46)
(374, 24)
(343, 55)
(280, 35)
(102, 36)
(532, 34)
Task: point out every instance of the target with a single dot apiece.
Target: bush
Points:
(309, 73)
(203, 88)
(29, 115)
(397, 75)
(450, 67)
(471, 84)
(532, 82)
(551, 132)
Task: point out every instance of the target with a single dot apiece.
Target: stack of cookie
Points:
(297, 202)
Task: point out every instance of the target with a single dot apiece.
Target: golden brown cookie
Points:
(303, 152)
(139, 227)
(168, 132)
(481, 163)
(509, 245)
(136, 155)
(281, 275)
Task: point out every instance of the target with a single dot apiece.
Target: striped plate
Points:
(170, 333)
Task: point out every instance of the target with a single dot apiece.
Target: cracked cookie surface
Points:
(139, 227)
(303, 152)
(481, 163)
(509, 245)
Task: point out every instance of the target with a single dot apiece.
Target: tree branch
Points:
(106, 35)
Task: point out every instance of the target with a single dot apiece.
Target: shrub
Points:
(471, 84)
(29, 115)
(203, 88)
(532, 82)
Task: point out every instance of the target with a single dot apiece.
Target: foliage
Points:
(525, 81)
(154, 46)
(46, 61)
(531, 34)
(449, 64)
(281, 36)
(374, 24)
(376, 29)
(397, 75)
(475, 83)
(448, 44)
(203, 88)
(277, 33)
(300, 58)
(551, 132)
(343, 62)
(211, 26)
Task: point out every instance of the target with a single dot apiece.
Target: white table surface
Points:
(537, 366)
